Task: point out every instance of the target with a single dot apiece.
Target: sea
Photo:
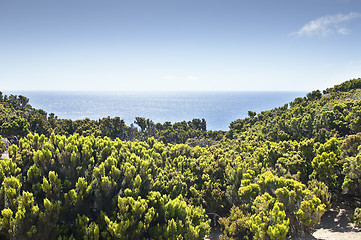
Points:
(219, 109)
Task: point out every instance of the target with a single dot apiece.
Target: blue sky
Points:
(162, 45)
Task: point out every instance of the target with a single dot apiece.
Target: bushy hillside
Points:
(317, 115)
(272, 175)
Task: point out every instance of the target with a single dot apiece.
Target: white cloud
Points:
(343, 31)
(327, 25)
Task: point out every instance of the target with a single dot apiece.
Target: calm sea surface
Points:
(218, 108)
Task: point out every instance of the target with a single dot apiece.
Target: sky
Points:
(178, 45)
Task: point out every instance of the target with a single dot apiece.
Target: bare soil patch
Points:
(335, 225)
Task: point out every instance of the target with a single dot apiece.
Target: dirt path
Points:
(335, 225)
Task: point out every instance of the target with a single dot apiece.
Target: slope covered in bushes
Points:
(272, 175)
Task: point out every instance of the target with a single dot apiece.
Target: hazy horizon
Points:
(219, 109)
(14, 91)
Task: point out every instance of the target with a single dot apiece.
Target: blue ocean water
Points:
(218, 108)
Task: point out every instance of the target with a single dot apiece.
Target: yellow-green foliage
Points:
(142, 189)
(270, 177)
(51, 183)
(237, 225)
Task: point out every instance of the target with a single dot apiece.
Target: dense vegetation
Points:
(271, 175)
